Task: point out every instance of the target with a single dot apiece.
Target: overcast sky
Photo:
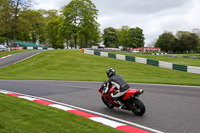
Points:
(153, 16)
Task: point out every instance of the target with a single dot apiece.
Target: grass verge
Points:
(76, 66)
(21, 116)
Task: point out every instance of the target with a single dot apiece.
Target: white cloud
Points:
(50, 4)
(153, 16)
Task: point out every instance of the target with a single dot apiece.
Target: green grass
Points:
(2, 54)
(175, 60)
(76, 66)
(184, 54)
(21, 116)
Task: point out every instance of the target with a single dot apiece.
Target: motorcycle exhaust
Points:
(141, 91)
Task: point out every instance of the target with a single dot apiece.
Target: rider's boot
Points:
(121, 105)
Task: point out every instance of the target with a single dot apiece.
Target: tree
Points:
(110, 37)
(79, 20)
(188, 42)
(124, 37)
(196, 31)
(9, 16)
(2, 38)
(6, 16)
(166, 42)
(137, 37)
(183, 42)
(89, 25)
(30, 23)
(53, 32)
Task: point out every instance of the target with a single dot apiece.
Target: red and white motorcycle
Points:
(130, 99)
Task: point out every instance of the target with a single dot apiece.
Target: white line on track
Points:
(89, 111)
(26, 58)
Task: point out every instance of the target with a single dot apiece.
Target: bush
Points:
(59, 45)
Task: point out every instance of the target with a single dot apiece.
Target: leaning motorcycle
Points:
(130, 99)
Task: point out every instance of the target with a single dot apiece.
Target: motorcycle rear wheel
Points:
(107, 103)
(139, 107)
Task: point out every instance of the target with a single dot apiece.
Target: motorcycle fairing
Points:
(129, 93)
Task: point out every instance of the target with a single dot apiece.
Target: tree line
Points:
(75, 23)
(126, 37)
(182, 42)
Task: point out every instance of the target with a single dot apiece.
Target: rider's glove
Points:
(103, 85)
(104, 92)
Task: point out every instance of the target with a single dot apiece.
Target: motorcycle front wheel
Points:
(139, 108)
(107, 103)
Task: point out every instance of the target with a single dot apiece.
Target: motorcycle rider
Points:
(119, 83)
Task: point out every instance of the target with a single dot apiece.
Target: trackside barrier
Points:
(120, 57)
(2, 50)
(103, 54)
(25, 47)
(167, 65)
(163, 64)
(11, 49)
(141, 60)
(192, 69)
(159, 53)
(30, 47)
(39, 48)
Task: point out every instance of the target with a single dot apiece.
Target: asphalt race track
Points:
(18, 57)
(169, 108)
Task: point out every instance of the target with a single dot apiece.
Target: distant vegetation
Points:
(126, 37)
(183, 42)
(75, 24)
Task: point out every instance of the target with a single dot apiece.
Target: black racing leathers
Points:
(118, 82)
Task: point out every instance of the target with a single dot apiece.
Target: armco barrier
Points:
(159, 53)
(180, 67)
(141, 60)
(96, 53)
(120, 57)
(39, 48)
(102, 54)
(112, 55)
(152, 62)
(168, 65)
(192, 69)
(130, 58)
(25, 47)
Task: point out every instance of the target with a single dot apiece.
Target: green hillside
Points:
(73, 65)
